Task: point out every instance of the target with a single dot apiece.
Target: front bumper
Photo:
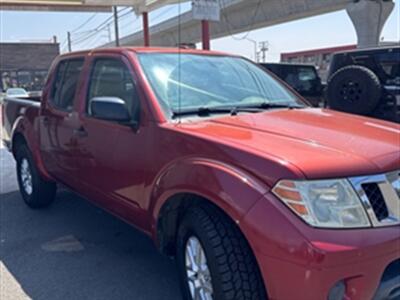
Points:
(301, 262)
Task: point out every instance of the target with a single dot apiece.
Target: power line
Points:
(63, 43)
(84, 23)
(86, 36)
(84, 32)
(103, 26)
(229, 25)
(91, 33)
(93, 42)
(94, 31)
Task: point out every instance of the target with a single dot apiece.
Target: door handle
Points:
(46, 121)
(80, 132)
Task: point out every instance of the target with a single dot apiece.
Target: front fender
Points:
(230, 188)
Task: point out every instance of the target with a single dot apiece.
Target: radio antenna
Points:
(179, 63)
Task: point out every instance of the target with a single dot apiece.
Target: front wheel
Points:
(214, 259)
(36, 192)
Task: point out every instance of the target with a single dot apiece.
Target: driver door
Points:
(101, 175)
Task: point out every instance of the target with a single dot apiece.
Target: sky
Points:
(333, 29)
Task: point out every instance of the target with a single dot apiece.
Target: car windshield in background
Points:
(16, 91)
(185, 82)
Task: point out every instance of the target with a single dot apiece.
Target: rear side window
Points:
(111, 78)
(389, 62)
(307, 74)
(66, 81)
(301, 78)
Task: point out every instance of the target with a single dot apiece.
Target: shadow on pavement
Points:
(74, 250)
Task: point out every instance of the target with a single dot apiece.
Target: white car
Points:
(17, 93)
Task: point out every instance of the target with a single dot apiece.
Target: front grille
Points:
(379, 195)
(376, 199)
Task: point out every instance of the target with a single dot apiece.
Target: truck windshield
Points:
(189, 81)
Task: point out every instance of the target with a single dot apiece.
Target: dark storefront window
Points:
(30, 80)
(24, 79)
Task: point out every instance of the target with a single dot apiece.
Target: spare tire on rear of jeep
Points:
(354, 89)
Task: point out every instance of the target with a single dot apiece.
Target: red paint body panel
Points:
(311, 138)
(231, 161)
(310, 261)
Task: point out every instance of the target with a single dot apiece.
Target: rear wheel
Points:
(35, 191)
(214, 259)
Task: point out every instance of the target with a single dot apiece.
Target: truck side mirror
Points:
(109, 108)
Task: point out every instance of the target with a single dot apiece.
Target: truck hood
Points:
(320, 143)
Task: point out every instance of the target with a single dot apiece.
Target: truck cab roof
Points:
(144, 50)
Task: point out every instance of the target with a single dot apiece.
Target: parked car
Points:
(17, 93)
(303, 78)
(254, 193)
(366, 82)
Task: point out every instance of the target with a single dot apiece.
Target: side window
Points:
(111, 78)
(65, 84)
(389, 62)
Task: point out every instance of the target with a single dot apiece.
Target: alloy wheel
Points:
(26, 176)
(197, 270)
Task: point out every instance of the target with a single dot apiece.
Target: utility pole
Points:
(264, 47)
(116, 26)
(69, 41)
(255, 49)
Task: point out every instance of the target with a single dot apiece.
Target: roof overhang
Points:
(51, 5)
(139, 6)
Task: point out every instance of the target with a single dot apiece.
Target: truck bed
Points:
(12, 108)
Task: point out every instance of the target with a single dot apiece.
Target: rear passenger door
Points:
(58, 121)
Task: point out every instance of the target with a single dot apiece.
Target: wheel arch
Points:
(200, 182)
(24, 133)
(173, 211)
(169, 218)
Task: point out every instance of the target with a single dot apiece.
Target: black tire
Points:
(234, 271)
(354, 89)
(43, 192)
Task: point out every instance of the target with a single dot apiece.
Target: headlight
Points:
(324, 203)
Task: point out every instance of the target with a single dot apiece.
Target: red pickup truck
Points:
(256, 195)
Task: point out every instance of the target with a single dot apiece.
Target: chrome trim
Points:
(389, 185)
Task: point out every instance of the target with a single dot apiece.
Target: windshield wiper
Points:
(271, 105)
(206, 111)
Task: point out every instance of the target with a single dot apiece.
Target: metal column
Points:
(205, 30)
(146, 34)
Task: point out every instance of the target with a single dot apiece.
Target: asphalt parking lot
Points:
(74, 250)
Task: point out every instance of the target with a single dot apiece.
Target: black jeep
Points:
(366, 82)
(303, 78)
